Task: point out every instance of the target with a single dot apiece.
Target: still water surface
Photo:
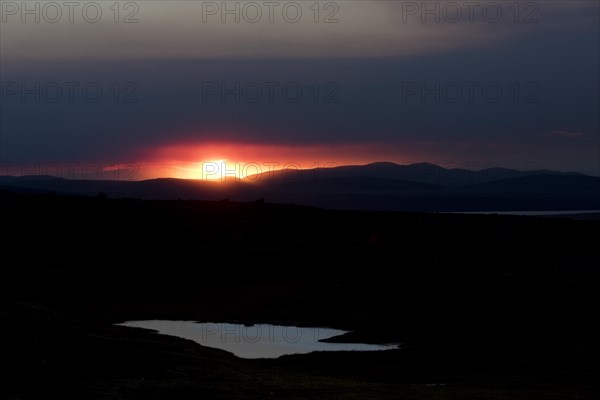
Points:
(256, 341)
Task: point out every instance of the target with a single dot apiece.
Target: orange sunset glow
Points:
(231, 161)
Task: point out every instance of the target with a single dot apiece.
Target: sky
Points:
(146, 89)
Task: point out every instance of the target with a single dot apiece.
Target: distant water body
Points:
(533, 213)
(256, 341)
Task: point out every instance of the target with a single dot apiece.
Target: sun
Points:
(220, 170)
(211, 170)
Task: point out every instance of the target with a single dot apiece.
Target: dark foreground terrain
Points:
(485, 306)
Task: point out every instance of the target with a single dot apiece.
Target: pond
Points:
(256, 341)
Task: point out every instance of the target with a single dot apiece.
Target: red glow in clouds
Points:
(226, 161)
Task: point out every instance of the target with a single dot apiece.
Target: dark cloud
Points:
(493, 103)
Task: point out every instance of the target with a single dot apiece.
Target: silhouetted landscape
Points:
(378, 186)
(483, 306)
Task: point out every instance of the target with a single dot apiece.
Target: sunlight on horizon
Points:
(224, 170)
(230, 161)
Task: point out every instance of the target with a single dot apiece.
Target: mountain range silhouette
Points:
(376, 186)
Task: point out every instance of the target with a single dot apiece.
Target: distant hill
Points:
(159, 189)
(378, 186)
(421, 172)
